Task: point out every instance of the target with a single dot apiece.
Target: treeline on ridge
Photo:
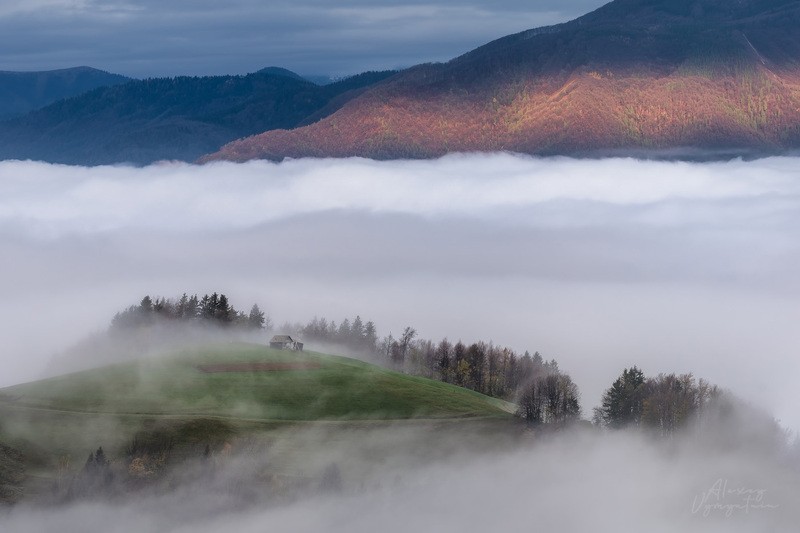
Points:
(484, 367)
(665, 403)
(215, 309)
(543, 393)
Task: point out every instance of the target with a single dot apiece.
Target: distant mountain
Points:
(279, 71)
(21, 92)
(634, 75)
(320, 79)
(171, 118)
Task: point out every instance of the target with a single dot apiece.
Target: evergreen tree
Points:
(208, 307)
(343, 334)
(146, 305)
(224, 313)
(256, 318)
(181, 307)
(100, 458)
(192, 308)
(357, 332)
(241, 319)
(323, 329)
(370, 336)
(623, 403)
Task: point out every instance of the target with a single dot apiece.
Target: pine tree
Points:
(224, 312)
(343, 334)
(623, 402)
(256, 318)
(181, 307)
(370, 336)
(146, 305)
(208, 306)
(100, 458)
(357, 333)
(192, 308)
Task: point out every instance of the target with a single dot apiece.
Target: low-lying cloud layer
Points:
(574, 482)
(601, 264)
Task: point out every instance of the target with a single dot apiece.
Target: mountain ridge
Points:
(179, 118)
(631, 75)
(25, 91)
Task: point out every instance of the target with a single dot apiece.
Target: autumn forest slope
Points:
(635, 74)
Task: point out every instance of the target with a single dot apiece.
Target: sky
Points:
(600, 264)
(149, 38)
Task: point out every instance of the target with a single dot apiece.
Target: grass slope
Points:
(338, 388)
(153, 415)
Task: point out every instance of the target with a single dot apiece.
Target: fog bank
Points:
(600, 264)
(572, 482)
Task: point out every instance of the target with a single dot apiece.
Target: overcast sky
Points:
(142, 38)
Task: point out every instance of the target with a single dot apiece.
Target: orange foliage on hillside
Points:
(585, 111)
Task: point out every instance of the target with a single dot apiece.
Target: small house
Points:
(285, 342)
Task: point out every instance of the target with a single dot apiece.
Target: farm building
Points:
(285, 342)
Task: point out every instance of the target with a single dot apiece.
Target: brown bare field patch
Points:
(257, 367)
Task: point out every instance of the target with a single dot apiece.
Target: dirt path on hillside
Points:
(257, 367)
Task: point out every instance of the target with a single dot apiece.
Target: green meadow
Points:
(234, 395)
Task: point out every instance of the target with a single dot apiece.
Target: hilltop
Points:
(22, 92)
(652, 75)
(157, 413)
(252, 382)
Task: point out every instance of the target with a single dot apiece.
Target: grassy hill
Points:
(232, 396)
(286, 386)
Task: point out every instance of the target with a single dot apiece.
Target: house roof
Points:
(282, 338)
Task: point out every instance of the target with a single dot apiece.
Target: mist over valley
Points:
(598, 264)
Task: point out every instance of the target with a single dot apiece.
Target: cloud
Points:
(59, 199)
(144, 38)
(601, 264)
(574, 482)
